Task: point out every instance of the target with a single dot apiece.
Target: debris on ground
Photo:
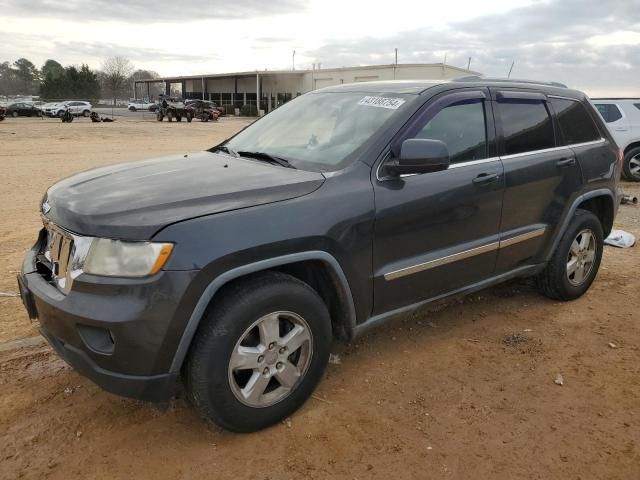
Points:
(612, 345)
(620, 239)
(9, 294)
(559, 380)
(629, 200)
(334, 359)
(515, 339)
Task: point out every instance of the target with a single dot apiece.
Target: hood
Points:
(134, 200)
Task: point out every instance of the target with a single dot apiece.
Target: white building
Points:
(275, 87)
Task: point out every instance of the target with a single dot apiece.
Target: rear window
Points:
(526, 126)
(610, 112)
(575, 122)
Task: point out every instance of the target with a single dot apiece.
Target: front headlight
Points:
(115, 258)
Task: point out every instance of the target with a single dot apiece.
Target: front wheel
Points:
(631, 165)
(189, 117)
(259, 352)
(575, 263)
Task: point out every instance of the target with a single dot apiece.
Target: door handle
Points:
(566, 162)
(621, 129)
(486, 178)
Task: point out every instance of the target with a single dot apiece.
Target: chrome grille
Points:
(63, 254)
(58, 250)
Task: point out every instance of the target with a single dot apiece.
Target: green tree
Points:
(27, 76)
(53, 67)
(71, 83)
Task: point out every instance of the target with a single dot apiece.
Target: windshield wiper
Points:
(224, 148)
(267, 158)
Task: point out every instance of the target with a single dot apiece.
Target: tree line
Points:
(54, 81)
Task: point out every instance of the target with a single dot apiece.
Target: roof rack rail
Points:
(478, 78)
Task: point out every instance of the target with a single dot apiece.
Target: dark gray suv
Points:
(231, 271)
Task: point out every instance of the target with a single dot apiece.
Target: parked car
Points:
(3, 112)
(48, 107)
(622, 116)
(204, 110)
(235, 268)
(77, 108)
(22, 109)
(135, 105)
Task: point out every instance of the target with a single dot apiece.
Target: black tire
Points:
(14, 114)
(553, 281)
(86, 113)
(169, 116)
(132, 109)
(632, 155)
(159, 116)
(178, 118)
(238, 306)
(189, 117)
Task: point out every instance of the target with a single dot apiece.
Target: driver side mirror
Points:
(419, 155)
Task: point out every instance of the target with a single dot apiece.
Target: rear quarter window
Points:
(526, 126)
(610, 113)
(575, 122)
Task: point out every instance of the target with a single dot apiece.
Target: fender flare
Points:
(221, 280)
(574, 206)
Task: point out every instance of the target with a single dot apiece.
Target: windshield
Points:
(319, 131)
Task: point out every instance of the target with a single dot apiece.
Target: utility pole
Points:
(294, 60)
(469, 64)
(512, 64)
(395, 65)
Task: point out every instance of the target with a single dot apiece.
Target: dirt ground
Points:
(461, 391)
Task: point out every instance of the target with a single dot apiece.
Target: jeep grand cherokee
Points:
(232, 270)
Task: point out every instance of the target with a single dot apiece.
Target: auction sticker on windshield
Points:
(382, 102)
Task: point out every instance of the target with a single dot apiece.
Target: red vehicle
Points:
(206, 111)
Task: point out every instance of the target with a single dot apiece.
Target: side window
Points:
(575, 122)
(610, 113)
(526, 126)
(463, 128)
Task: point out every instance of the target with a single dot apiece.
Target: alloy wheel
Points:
(270, 359)
(634, 166)
(581, 257)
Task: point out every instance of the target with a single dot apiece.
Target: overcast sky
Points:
(593, 45)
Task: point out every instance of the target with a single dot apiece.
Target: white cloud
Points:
(590, 44)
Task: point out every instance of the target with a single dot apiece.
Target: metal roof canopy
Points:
(252, 73)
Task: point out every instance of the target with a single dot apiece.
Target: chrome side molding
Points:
(421, 267)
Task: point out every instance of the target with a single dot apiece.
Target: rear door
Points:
(542, 177)
(617, 122)
(437, 232)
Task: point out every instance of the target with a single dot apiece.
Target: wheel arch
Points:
(600, 202)
(317, 268)
(631, 146)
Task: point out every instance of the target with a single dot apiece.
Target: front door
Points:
(438, 232)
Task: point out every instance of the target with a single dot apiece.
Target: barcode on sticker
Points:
(382, 102)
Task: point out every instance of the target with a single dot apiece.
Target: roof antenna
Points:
(512, 64)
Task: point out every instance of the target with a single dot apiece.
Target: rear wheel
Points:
(86, 113)
(189, 117)
(575, 263)
(169, 115)
(631, 165)
(14, 114)
(259, 353)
